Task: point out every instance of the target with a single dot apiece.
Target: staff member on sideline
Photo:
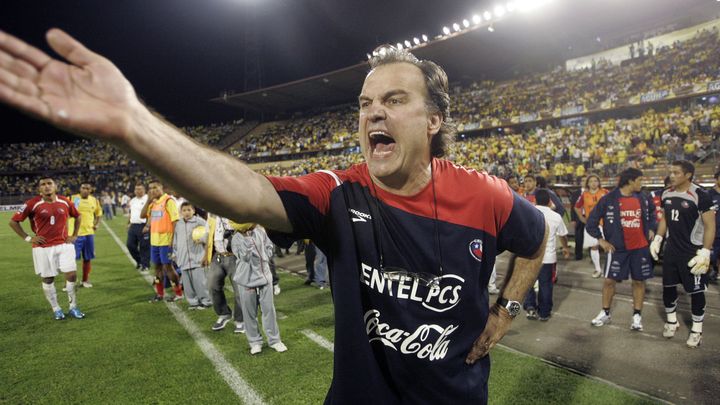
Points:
(138, 239)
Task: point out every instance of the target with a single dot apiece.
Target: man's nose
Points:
(377, 113)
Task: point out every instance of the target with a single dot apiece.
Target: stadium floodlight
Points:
(446, 30)
(487, 16)
(466, 23)
(456, 27)
(408, 44)
(476, 19)
(416, 40)
(499, 11)
(491, 28)
(510, 6)
(424, 38)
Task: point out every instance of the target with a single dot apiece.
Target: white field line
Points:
(233, 379)
(321, 341)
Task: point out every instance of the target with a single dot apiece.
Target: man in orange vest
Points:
(162, 214)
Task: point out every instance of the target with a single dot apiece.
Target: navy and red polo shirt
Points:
(402, 341)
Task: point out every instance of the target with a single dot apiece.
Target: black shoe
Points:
(156, 298)
(137, 266)
(307, 282)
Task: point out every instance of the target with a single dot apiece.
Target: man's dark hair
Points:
(530, 175)
(541, 181)
(43, 176)
(542, 197)
(628, 175)
(139, 185)
(186, 204)
(436, 82)
(686, 167)
(666, 181)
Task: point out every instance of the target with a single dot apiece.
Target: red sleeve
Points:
(316, 187)
(580, 201)
(306, 200)
(24, 211)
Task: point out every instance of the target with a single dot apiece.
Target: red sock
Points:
(86, 270)
(159, 288)
(178, 290)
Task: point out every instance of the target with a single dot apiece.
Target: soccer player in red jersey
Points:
(52, 249)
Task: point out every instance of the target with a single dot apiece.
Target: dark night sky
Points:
(180, 53)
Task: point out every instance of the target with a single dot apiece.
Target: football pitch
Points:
(128, 351)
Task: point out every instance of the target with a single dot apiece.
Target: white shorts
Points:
(589, 241)
(48, 260)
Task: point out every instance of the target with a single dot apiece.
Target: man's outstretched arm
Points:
(89, 96)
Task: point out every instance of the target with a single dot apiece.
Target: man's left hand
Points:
(496, 327)
(71, 239)
(700, 263)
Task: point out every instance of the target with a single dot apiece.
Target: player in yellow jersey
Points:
(90, 212)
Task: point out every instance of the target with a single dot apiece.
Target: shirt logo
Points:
(20, 211)
(476, 249)
(684, 204)
(359, 216)
(427, 341)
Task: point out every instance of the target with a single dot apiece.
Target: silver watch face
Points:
(513, 308)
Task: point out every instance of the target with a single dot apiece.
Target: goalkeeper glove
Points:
(655, 246)
(700, 263)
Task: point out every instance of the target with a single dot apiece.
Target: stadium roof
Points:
(517, 45)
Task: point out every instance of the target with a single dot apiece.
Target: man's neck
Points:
(406, 185)
(626, 191)
(683, 187)
(49, 198)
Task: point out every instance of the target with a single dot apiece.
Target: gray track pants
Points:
(249, 298)
(223, 267)
(194, 286)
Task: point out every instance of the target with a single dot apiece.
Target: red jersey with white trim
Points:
(393, 330)
(48, 219)
(632, 223)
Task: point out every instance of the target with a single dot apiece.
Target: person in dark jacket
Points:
(628, 224)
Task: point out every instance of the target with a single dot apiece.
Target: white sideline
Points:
(321, 341)
(233, 379)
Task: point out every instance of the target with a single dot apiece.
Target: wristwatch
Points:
(513, 307)
(28, 238)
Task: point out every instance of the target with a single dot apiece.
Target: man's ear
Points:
(435, 121)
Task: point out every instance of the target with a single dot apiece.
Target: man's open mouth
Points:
(381, 143)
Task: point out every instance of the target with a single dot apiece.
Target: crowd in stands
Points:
(670, 67)
(328, 130)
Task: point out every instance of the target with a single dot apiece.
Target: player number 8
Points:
(52, 220)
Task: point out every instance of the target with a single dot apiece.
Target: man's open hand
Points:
(496, 327)
(88, 95)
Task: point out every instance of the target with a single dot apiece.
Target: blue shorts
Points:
(635, 263)
(160, 254)
(85, 247)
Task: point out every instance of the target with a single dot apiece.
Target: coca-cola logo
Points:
(427, 341)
